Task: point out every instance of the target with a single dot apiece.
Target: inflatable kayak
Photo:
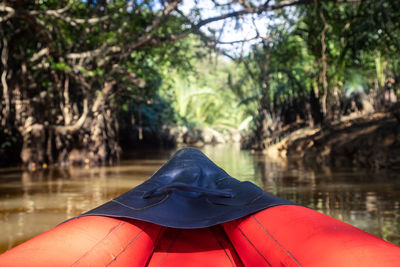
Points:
(192, 213)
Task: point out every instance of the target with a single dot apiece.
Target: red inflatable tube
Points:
(195, 247)
(104, 241)
(88, 241)
(285, 235)
(297, 236)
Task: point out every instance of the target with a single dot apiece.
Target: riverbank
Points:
(170, 136)
(368, 141)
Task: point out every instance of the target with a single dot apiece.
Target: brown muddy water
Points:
(32, 202)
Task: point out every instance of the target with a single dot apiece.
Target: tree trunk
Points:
(315, 106)
(323, 74)
(90, 139)
(6, 94)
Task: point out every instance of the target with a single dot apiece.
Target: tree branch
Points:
(73, 21)
(77, 125)
(252, 10)
(9, 10)
(146, 38)
(239, 41)
(39, 54)
(101, 51)
(4, 8)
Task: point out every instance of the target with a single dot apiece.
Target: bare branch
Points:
(151, 40)
(95, 53)
(239, 41)
(146, 38)
(77, 125)
(252, 10)
(58, 11)
(208, 41)
(73, 21)
(39, 54)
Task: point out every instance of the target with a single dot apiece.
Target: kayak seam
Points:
(142, 208)
(125, 248)
(276, 241)
(98, 243)
(160, 233)
(220, 244)
(255, 248)
(169, 247)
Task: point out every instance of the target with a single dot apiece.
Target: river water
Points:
(34, 201)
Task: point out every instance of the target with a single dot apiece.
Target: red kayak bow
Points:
(192, 213)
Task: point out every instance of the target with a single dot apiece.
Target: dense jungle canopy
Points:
(84, 80)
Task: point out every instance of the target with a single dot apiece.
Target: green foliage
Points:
(355, 82)
(60, 66)
(348, 46)
(62, 58)
(203, 98)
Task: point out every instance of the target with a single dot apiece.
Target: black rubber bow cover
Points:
(189, 191)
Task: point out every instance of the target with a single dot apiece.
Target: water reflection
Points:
(367, 200)
(32, 202)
